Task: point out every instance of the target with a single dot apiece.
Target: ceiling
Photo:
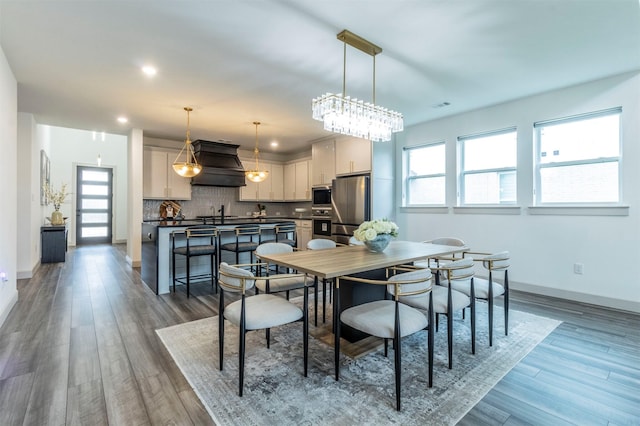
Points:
(78, 63)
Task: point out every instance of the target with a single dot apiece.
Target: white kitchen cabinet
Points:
(323, 162)
(159, 181)
(304, 233)
(296, 181)
(250, 191)
(353, 155)
(271, 189)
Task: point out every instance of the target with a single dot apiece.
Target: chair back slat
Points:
(234, 279)
(410, 283)
(497, 261)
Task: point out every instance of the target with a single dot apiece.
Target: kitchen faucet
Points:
(221, 211)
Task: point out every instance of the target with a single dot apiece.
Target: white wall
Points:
(71, 148)
(8, 188)
(544, 248)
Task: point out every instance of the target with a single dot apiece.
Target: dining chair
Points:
(200, 240)
(488, 289)
(247, 239)
(255, 312)
(446, 300)
(322, 244)
(390, 319)
(282, 282)
(445, 241)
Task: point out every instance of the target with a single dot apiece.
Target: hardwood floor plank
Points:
(195, 409)
(85, 404)
(14, 398)
(84, 362)
(164, 405)
(520, 411)
(48, 399)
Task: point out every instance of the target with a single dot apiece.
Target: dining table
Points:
(343, 261)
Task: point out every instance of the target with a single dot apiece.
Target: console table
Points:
(53, 243)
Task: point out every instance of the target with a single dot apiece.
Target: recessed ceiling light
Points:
(149, 70)
(274, 144)
(123, 120)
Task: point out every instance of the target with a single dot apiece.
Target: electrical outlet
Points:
(578, 268)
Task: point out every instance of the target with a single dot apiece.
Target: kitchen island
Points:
(156, 246)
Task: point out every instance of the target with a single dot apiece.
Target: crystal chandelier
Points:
(354, 117)
(255, 174)
(189, 167)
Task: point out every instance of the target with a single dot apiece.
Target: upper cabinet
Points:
(323, 167)
(159, 180)
(271, 189)
(296, 181)
(353, 155)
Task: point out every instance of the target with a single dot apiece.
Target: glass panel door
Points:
(94, 194)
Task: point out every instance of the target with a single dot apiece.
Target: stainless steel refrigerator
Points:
(351, 203)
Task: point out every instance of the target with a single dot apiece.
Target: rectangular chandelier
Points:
(353, 117)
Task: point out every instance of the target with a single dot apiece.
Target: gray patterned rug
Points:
(276, 392)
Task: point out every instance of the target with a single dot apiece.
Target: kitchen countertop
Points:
(227, 221)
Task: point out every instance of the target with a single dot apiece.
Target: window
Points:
(488, 168)
(578, 159)
(425, 172)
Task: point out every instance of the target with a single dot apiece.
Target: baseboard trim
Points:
(25, 275)
(136, 264)
(622, 305)
(5, 313)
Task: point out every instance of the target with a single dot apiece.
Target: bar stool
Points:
(244, 241)
(200, 240)
(286, 233)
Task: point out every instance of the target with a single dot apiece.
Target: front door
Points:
(94, 195)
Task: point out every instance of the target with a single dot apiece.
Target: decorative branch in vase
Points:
(56, 198)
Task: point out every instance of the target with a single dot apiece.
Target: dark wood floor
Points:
(80, 348)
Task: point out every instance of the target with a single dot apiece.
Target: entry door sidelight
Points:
(94, 200)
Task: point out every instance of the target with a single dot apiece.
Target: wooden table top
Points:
(347, 260)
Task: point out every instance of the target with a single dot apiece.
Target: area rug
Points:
(276, 392)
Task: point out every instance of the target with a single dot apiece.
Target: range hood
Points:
(220, 164)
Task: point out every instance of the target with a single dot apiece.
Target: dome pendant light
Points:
(189, 167)
(256, 175)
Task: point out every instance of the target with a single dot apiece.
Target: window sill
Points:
(509, 210)
(425, 209)
(579, 210)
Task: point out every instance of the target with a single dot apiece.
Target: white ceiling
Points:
(78, 62)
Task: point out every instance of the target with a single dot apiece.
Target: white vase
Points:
(379, 243)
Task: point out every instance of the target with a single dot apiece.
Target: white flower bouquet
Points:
(55, 197)
(369, 230)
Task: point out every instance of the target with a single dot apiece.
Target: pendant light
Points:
(189, 167)
(256, 174)
(349, 116)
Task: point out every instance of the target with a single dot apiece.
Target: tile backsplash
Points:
(206, 200)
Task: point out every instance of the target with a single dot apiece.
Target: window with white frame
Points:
(425, 175)
(578, 159)
(488, 164)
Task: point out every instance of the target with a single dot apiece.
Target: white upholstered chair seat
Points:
(377, 318)
(263, 311)
(283, 282)
(440, 300)
(481, 288)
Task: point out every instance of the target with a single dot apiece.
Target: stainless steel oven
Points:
(321, 222)
(321, 227)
